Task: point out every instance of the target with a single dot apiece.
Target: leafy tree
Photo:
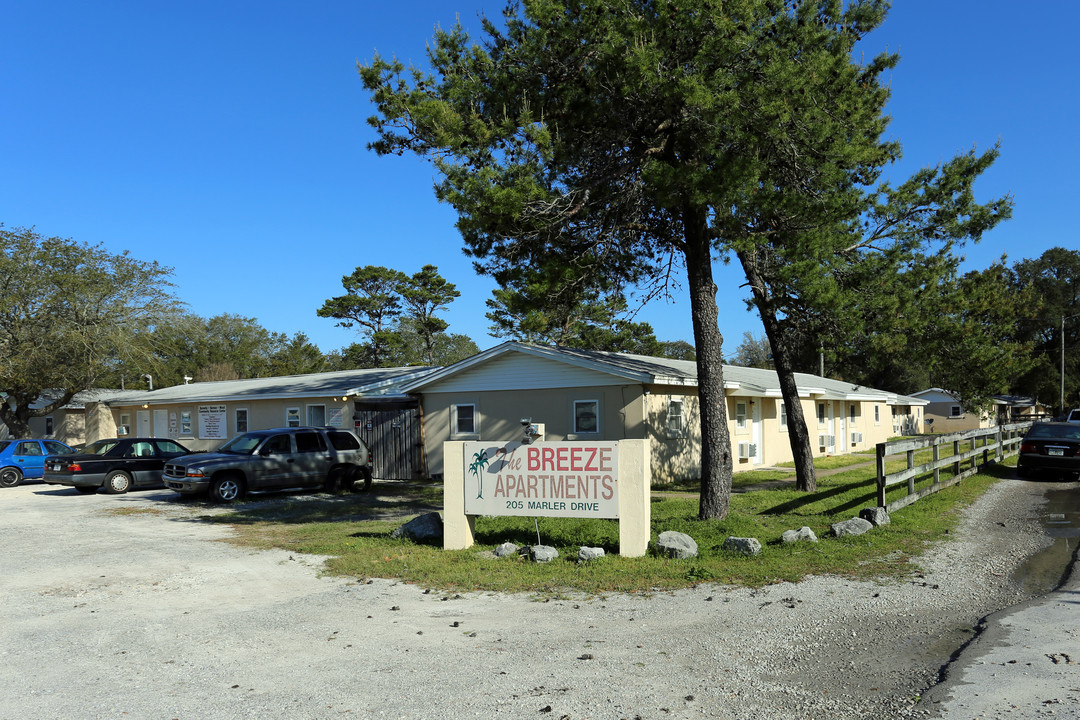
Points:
(676, 350)
(378, 299)
(69, 314)
(371, 301)
(753, 352)
(629, 139)
(423, 295)
(1054, 277)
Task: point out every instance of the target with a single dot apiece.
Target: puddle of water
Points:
(1045, 570)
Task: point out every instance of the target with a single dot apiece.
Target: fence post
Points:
(881, 475)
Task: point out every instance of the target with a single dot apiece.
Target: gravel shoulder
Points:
(146, 615)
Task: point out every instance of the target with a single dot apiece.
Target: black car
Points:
(1053, 446)
(116, 464)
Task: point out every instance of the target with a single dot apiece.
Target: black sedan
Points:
(1052, 446)
(117, 464)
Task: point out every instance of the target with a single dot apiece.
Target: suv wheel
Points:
(360, 479)
(226, 489)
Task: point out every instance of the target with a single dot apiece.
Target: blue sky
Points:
(226, 139)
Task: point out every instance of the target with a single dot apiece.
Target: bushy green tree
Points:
(70, 314)
(627, 139)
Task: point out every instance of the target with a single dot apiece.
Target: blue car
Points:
(25, 459)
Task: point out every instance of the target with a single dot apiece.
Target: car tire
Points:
(226, 489)
(361, 483)
(10, 477)
(86, 489)
(338, 479)
(117, 482)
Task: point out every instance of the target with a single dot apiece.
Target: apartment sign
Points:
(546, 479)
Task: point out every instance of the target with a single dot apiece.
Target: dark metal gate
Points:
(393, 432)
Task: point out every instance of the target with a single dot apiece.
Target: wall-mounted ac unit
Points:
(856, 438)
(747, 450)
(121, 430)
(826, 440)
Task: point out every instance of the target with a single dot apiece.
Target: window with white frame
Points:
(676, 421)
(124, 426)
(240, 420)
(463, 419)
(586, 417)
(740, 415)
(821, 413)
(877, 414)
(783, 415)
(316, 415)
(851, 413)
(956, 411)
(185, 424)
(292, 417)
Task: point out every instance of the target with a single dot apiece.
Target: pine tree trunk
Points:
(798, 435)
(715, 438)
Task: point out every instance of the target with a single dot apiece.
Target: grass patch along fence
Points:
(925, 459)
(354, 532)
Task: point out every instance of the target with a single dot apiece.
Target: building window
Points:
(316, 415)
(877, 414)
(783, 414)
(956, 411)
(821, 413)
(49, 429)
(586, 416)
(851, 413)
(292, 417)
(676, 422)
(463, 419)
(240, 419)
(185, 424)
(740, 415)
(124, 428)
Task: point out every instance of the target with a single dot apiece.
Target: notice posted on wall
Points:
(557, 479)
(212, 424)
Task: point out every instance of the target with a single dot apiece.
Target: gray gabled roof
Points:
(664, 371)
(380, 382)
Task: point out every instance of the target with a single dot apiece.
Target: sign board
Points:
(556, 479)
(212, 422)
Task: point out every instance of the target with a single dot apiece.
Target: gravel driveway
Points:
(143, 615)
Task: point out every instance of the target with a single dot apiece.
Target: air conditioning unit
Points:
(121, 431)
(826, 440)
(747, 450)
(856, 438)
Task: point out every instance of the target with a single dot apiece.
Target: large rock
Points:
(541, 553)
(744, 546)
(875, 515)
(422, 528)
(585, 554)
(676, 544)
(507, 549)
(803, 534)
(854, 526)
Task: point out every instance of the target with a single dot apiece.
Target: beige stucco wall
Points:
(262, 414)
(69, 426)
(945, 422)
(499, 414)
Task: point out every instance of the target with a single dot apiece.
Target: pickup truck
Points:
(278, 460)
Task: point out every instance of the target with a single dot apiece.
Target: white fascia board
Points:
(402, 380)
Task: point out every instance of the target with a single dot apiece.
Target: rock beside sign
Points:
(426, 528)
(676, 545)
(585, 554)
(507, 549)
(744, 546)
(540, 553)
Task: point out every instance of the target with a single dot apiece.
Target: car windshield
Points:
(242, 444)
(1065, 432)
(101, 447)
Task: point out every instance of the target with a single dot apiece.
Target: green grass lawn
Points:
(362, 549)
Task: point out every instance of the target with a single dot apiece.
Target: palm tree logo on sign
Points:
(480, 461)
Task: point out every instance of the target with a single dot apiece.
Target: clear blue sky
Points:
(226, 139)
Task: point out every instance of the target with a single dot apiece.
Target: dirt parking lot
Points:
(127, 607)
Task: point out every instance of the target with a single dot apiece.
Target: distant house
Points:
(202, 416)
(68, 423)
(1020, 408)
(945, 414)
(581, 394)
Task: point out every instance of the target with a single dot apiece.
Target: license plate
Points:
(1055, 452)
(56, 467)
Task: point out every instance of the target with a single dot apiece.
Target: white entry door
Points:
(142, 423)
(161, 423)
